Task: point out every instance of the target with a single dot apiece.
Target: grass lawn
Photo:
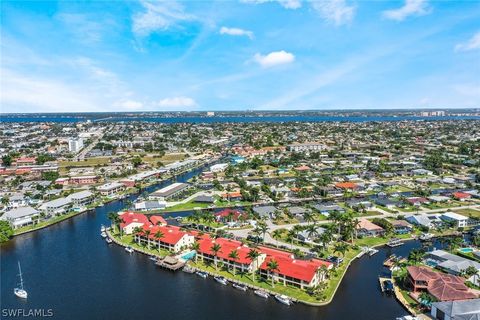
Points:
(290, 291)
(168, 158)
(469, 213)
(86, 163)
(127, 240)
(186, 206)
(46, 222)
(368, 213)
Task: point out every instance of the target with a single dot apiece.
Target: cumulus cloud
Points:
(177, 102)
(128, 104)
(410, 8)
(274, 58)
(337, 12)
(236, 32)
(472, 44)
(158, 16)
(287, 4)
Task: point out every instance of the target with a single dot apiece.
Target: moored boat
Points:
(108, 240)
(129, 249)
(426, 236)
(262, 294)
(20, 292)
(283, 299)
(221, 280)
(102, 228)
(239, 286)
(395, 242)
(202, 274)
(103, 234)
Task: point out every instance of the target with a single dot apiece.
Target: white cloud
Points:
(274, 58)
(468, 89)
(158, 16)
(287, 4)
(177, 102)
(472, 44)
(128, 104)
(410, 8)
(337, 12)
(236, 32)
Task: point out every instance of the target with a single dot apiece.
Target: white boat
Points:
(426, 236)
(261, 293)
(239, 286)
(20, 292)
(221, 280)
(103, 234)
(283, 299)
(204, 275)
(372, 251)
(102, 228)
(153, 258)
(109, 240)
(129, 249)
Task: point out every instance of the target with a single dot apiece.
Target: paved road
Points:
(81, 155)
(243, 233)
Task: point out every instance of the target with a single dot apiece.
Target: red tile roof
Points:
(156, 220)
(171, 234)
(346, 185)
(299, 269)
(444, 287)
(462, 195)
(130, 217)
(227, 246)
(225, 213)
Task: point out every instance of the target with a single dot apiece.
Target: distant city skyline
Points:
(244, 55)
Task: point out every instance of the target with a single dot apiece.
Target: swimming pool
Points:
(189, 256)
(465, 250)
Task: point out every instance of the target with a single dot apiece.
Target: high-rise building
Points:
(75, 145)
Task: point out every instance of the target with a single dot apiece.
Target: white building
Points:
(219, 167)
(459, 220)
(309, 146)
(75, 145)
(20, 217)
(110, 189)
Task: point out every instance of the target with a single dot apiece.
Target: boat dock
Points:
(394, 243)
(382, 284)
(170, 263)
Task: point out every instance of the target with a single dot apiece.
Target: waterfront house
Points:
(456, 310)
(150, 205)
(229, 215)
(402, 226)
(448, 262)
(111, 189)
(268, 212)
(417, 201)
(170, 191)
(20, 217)
(132, 220)
(242, 264)
(444, 287)
(173, 238)
(204, 199)
(369, 229)
(291, 271)
(57, 206)
(220, 167)
(420, 220)
(81, 199)
(458, 220)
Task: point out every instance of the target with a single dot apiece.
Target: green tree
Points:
(234, 256)
(216, 248)
(272, 266)
(253, 255)
(6, 231)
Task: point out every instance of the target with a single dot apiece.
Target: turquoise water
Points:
(465, 250)
(189, 255)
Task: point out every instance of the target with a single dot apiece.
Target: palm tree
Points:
(216, 248)
(308, 217)
(272, 266)
(416, 256)
(291, 235)
(234, 256)
(341, 248)
(277, 234)
(263, 228)
(312, 231)
(253, 255)
(195, 246)
(147, 234)
(158, 235)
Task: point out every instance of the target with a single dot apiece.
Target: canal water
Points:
(69, 269)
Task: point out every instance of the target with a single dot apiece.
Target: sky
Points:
(96, 56)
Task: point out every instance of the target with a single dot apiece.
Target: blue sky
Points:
(235, 55)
